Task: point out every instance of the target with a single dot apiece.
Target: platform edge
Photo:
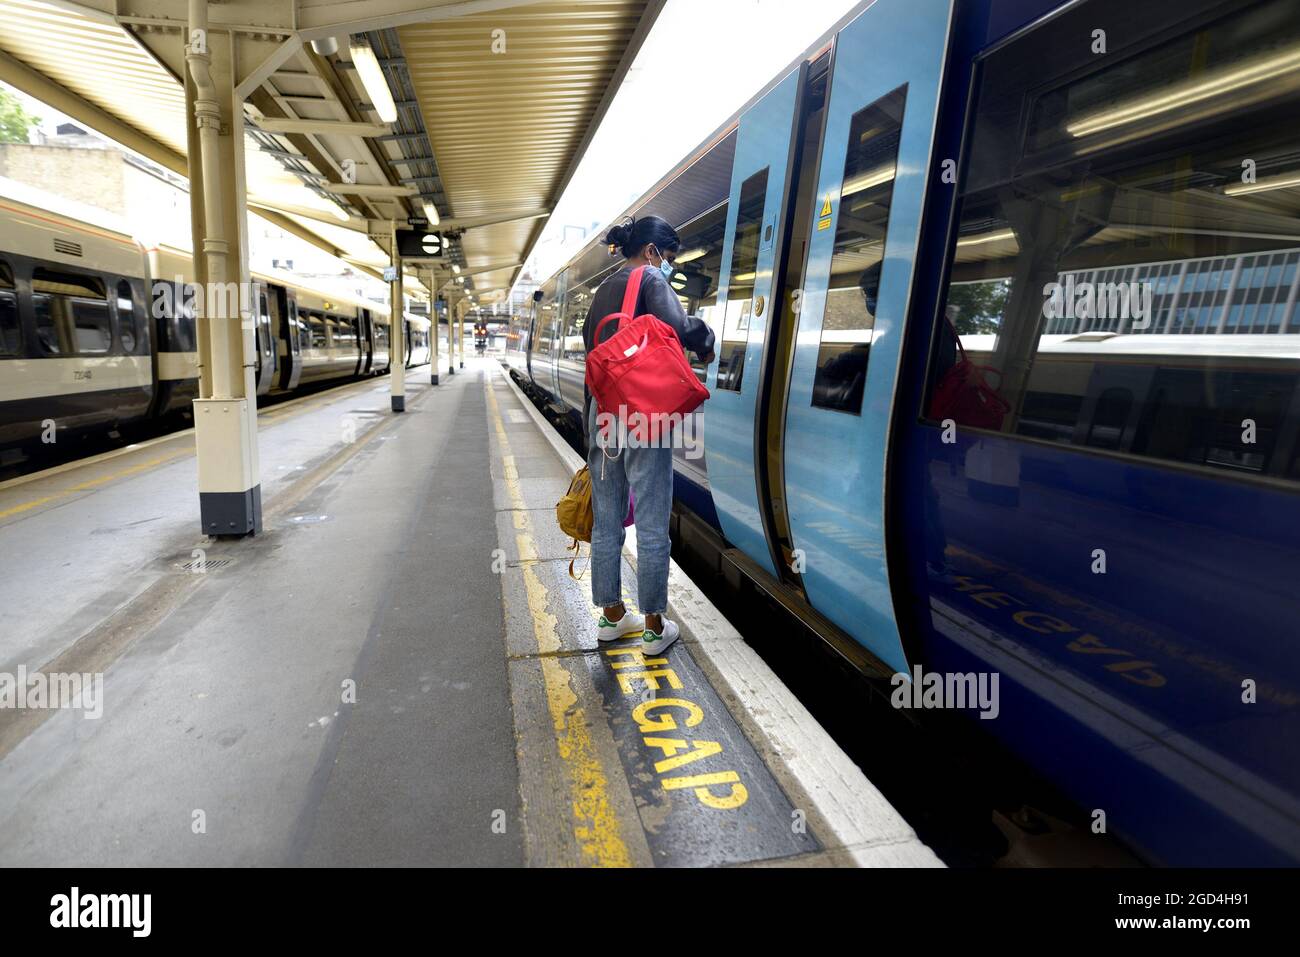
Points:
(846, 810)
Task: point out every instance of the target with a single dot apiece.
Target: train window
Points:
(316, 329)
(71, 313)
(1124, 274)
(186, 332)
(740, 288)
(381, 337)
(298, 322)
(862, 220)
(127, 321)
(264, 336)
(546, 317)
(10, 332)
(699, 264)
(578, 304)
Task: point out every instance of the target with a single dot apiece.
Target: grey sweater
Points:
(655, 297)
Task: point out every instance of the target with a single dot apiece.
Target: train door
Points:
(755, 223)
(290, 341)
(367, 342)
(874, 166)
(263, 342)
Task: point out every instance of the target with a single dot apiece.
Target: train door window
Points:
(264, 325)
(10, 332)
(545, 328)
(186, 331)
(862, 221)
(1108, 226)
(578, 303)
(698, 266)
(740, 282)
(298, 323)
(128, 329)
(71, 313)
(381, 338)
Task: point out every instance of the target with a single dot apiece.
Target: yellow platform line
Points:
(596, 824)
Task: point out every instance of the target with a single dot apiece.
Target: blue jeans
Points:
(649, 473)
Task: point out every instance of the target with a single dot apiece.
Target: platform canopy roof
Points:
(496, 101)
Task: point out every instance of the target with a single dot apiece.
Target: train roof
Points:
(94, 238)
(1254, 346)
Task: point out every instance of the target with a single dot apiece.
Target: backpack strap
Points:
(630, 295)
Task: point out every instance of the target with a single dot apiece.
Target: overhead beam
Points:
(306, 212)
(269, 124)
(340, 16)
(367, 189)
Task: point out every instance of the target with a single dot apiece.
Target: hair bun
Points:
(620, 235)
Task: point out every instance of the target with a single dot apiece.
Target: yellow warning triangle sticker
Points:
(826, 205)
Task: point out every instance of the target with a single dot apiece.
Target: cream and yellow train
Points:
(98, 331)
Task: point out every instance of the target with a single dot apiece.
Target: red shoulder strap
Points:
(633, 289)
(629, 302)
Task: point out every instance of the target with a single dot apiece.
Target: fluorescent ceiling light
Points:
(455, 268)
(1283, 181)
(431, 211)
(690, 255)
(993, 237)
(863, 181)
(1185, 94)
(373, 80)
(744, 277)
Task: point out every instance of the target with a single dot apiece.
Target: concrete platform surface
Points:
(397, 671)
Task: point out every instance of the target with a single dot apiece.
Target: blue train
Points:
(1008, 382)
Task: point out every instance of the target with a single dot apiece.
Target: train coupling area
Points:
(398, 670)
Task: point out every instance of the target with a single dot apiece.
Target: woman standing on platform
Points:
(652, 243)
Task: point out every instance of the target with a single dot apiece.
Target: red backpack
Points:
(965, 395)
(640, 373)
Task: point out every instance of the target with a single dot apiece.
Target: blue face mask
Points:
(666, 267)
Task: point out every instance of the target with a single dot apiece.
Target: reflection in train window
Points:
(577, 305)
(740, 281)
(10, 333)
(861, 222)
(546, 317)
(699, 263)
(1121, 279)
(71, 313)
(127, 327)
(316, 328)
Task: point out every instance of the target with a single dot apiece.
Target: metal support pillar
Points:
(225, 417)
(451, 332)
(462, 307)
(397, 331)
(431, 281)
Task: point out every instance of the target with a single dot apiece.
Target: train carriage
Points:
(928, 437)
(99, 330)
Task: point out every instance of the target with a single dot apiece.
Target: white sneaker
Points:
(652, 644)
(629, 624)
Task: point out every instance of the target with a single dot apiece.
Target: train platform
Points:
(398, 670)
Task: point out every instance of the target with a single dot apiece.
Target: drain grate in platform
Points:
(208, 565)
